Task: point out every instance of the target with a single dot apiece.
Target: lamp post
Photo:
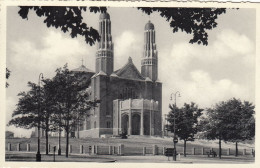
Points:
(175, 139)
(38, 154)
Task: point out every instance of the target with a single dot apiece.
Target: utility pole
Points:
(38, 154)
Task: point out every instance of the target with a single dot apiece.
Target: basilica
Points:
(131, 101)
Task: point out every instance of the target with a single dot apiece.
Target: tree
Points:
(49, 110)
(242, 125)
(230, 120)
(61, 100)
(7, 75)
(190, 20)
(68, 19)
(212, 126)
(26, 114)
(186, 121)
(71, 97)
(194, 21)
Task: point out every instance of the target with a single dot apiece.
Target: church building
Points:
(131, 101)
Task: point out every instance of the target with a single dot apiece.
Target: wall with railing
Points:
(122, 149)
(139, 104)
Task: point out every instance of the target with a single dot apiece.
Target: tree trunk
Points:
(219, 152)
(59, 150)
(184, 148)
(67, 138)
(77, 126)
(47, 138)
(67, 129)
(236, 150)
(78, 129)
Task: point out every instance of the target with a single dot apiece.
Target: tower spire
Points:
(149, 60)
(105, 52)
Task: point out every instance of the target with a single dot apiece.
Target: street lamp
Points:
(175, 139)
(38, 155)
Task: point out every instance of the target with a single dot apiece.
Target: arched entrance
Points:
(124, 121)
(147, 124)
(135, 124)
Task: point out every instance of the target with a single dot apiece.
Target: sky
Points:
(205, 75)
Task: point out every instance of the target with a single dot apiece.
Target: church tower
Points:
(149, 60)
(105, 52)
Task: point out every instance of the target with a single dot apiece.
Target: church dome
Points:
(104, 15)
(149, 26)
(82, 68)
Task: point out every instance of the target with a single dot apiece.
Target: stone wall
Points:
(122, 149)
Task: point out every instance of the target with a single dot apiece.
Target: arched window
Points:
(127, 93)
(95, 124)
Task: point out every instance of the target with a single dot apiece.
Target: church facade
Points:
(131, 101)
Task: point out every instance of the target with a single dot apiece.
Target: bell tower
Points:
(105, 52)
(149, 63)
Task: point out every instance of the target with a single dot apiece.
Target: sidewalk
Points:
(190, 159)
(195, 159)
(31, 156)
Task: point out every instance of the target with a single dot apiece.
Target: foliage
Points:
(186, 121)
(71, 95)
(26, 112)
(231, 120)
(190, 20)
(194, 21)
(29, 104)
(68, 19)
(35, 108)
(7, 75)
(62, 101)
(72, 99)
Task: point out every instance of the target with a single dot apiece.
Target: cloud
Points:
(57, 51)
(128, 44)
(207, 74)
(228, 42)
(228, 45)
(27, 60)
(10, 104)
(204, 90)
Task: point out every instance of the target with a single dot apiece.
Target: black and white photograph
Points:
(104, 83)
